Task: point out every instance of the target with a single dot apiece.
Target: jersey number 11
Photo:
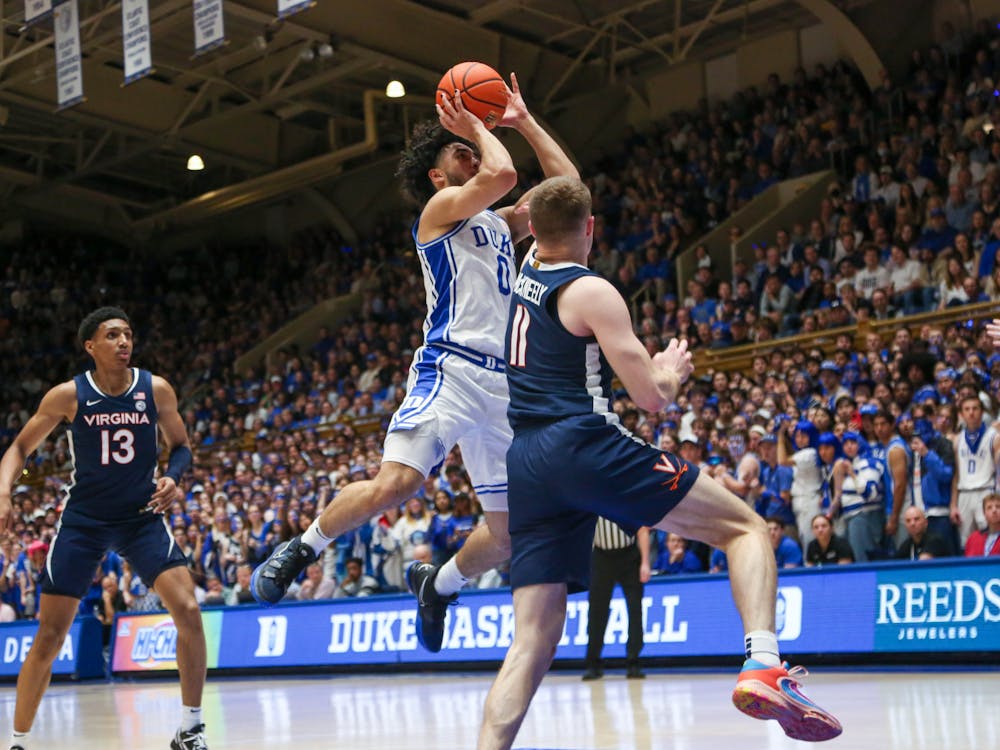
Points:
(519, 337)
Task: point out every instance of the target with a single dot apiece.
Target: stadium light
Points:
(195, 163)
(395, 90)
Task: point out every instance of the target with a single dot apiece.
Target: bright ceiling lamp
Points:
(395, 90)
(195, 163)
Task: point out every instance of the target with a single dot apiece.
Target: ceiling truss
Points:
(268, 100)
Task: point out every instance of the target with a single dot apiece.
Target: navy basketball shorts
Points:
(77, 550)
(565, 474)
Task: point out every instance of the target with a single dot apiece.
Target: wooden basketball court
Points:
(679, 710)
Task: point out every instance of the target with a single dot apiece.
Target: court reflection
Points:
(682, 711)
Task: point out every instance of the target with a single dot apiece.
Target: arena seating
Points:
(919, 169)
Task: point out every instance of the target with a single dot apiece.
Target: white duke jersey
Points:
(976, 470)
(467, 279)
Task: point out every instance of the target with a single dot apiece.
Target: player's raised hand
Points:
(675, 358)
(516, 111)
(455, 118)
(993, 331)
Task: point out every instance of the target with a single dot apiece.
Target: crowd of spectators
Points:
(913, 224)
(194, 314)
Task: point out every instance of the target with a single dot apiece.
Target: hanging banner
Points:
(291, 7)
(135, 39)
(69, 72)
(36, 10)
(209, 29)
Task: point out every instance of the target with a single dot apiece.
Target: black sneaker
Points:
(592, 673)
(634, 672)
(431, 605)
(272, 577)
(192, 739)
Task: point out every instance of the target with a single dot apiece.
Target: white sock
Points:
(20, 739)
(190, 718)
(449, 579)
(762, 646)
(315, 538)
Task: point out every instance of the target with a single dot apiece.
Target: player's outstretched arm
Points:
(590, 306)
(495, 177)
(58, 404)
(175, 436)
(552, 159)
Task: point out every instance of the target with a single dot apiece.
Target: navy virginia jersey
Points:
(552, 374)
(113, 442)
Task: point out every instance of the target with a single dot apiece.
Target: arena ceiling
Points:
(281, 107)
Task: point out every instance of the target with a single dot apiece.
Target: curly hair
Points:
(426, 142)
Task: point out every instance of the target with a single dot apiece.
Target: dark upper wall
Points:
(593, 121)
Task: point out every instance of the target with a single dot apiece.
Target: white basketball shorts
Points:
(452, 400)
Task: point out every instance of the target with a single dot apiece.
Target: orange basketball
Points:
(484, 93)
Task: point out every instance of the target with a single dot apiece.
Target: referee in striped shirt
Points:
(623, 559)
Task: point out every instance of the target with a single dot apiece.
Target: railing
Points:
(739, 358)
(360, 425)
(302, 329)
(644, 294)
(729, 359)
(780, 206)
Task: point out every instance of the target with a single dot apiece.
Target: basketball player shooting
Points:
(454, 169)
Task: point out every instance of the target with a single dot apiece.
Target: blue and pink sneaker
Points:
(765, 692)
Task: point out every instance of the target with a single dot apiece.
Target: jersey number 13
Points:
(124, 448)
